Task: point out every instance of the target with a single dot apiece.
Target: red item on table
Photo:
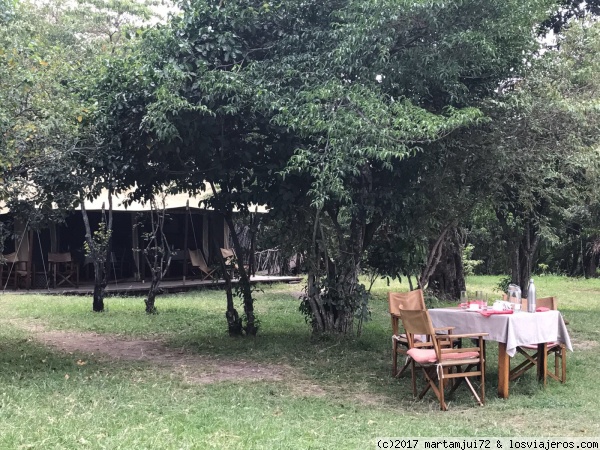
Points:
(491, 312)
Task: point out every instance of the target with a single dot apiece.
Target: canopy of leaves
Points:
(52, 146)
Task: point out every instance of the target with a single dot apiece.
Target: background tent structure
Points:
(189, 226)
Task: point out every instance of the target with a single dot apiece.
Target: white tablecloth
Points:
(516, 329)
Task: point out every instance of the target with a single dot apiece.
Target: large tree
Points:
(553, 121)
(394, 73)
(536, 152)
(328, 98)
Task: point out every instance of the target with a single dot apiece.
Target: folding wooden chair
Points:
(399, 301)
(443, 362)
(63, 269)
(530, 352)
(198, 262)
(13, 268)
(231, 261)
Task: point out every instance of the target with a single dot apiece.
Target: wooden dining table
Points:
(510, 331)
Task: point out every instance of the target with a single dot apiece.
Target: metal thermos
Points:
(531, 297)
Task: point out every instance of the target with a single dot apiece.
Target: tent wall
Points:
(203, 228)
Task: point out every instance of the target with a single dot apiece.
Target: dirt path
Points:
(194, 368)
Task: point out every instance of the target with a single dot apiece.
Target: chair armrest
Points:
(448, 329)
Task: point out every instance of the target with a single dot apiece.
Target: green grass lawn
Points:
(333, 393)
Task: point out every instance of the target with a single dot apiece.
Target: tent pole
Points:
(185, 240)
(28, 278)
(135, 245)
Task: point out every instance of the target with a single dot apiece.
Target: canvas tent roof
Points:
(172, 201)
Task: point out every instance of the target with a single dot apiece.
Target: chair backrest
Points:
(417, 321)
(59, 257)
(197, 260)
(399, 301)
(11, 258)
(227, 253)
(544, 302)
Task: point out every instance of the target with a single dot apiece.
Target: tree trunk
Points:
(448, 278)
(157, 248)
(335, 297)
(234, 323)
(410, 283)
(527, 251)
(334, 294)
(574, 267)
(515, 271)
(97, 249)
(433, 258)
(250, 328)
(252, 256)
(590, 258)
(99, 288)
(151, 297)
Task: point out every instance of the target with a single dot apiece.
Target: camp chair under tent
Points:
(63, 269)
(230, 259)
(198, 262)
(13, 268)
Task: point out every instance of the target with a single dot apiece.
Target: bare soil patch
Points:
(583, 345)
(194, 368)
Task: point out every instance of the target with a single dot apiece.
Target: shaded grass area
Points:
(337, 392)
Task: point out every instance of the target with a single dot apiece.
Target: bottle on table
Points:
(531, 297)
(514, 296)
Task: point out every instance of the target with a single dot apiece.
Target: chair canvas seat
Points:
(428, 356)
(198, 262)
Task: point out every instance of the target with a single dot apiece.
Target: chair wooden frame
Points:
(63, 269)
(14, 268)
(399, 301)
(530, 352)
(198, 262)
(232, 262)
(443, 362)
(229, 256)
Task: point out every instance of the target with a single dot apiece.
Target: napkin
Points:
(490, 312)
(541, 309)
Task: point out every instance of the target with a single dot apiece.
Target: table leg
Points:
(542, 361)
(503, 370)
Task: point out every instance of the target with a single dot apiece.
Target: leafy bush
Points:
(469, 265)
